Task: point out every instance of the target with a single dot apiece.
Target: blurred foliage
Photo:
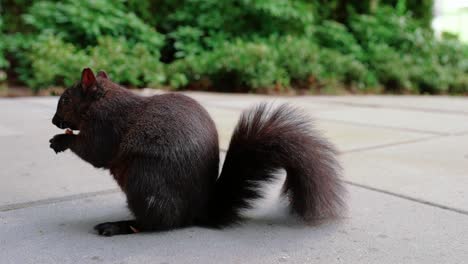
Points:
(234, 45)
(54, 61)
(343, 10)
(407, 57)
(3, 62)
(83, 22)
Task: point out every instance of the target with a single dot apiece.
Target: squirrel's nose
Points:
(56, 120)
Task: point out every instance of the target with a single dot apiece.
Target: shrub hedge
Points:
(233, 45)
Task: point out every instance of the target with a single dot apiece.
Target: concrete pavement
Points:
(406, 168)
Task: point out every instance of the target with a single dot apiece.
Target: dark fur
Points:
(163, 152)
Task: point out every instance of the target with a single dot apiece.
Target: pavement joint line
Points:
(410, 108)
(370, 105)
(350, 104)
(317, 117)
(401, 196)
(386, 127)
(463, 133)
(381, 146)
(357, 150)
(16, 206)
(332, 120)
(409, 198)
(11, 207)
(253, 104)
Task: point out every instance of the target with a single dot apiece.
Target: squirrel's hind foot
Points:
(117, 228)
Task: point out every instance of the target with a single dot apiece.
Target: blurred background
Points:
(267, 46)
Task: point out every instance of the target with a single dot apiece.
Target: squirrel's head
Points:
(76, 99)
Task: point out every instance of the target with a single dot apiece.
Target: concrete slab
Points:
(441, 104)
(436, 123)
(405, 152)
(244, 101)
(350, 137)
(34, 168)
(20, 115)
(30, 170)
(434, 171)
(240, 99)
(347, 137)
(380, 229)
(226, 120)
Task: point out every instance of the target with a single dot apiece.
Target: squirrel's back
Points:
(170, 124)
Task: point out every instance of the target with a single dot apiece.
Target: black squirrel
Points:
(163, 152)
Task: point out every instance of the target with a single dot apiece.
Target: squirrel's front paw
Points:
(60, 142)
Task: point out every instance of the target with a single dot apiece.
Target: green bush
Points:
(126, 63)
(83, 22)
(452, 57)
(232, 65)
(390, 67)
(421, 10)
(3, 61)
(54, 61)
(69, 35)
(276, 62)
(336, 36)
(187, 41)
(459, 85)
(217, 21)
(345, 69)
(17, 47)
(309, 65)
(300, 59)
(233, 45)
(408, 58)
(237, 18)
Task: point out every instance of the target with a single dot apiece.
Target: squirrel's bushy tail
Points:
(267, 139)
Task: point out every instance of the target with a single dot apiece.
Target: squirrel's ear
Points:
(102, 74)
(88, 81)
